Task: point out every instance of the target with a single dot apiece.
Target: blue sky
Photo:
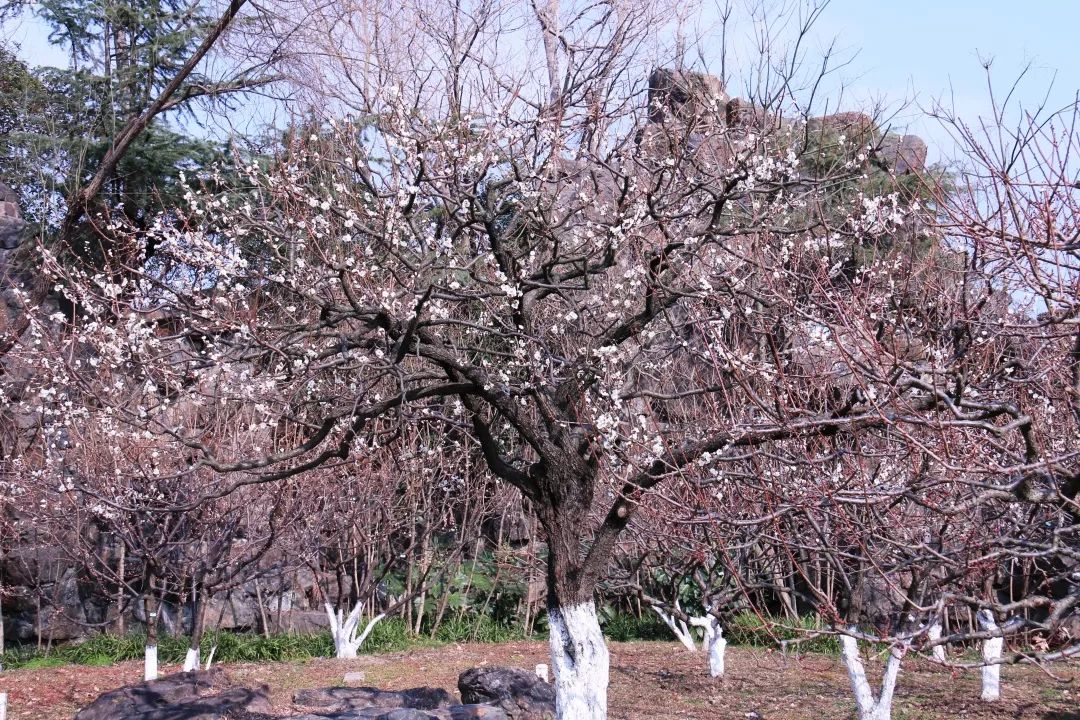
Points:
(915, 50)
(929, 50)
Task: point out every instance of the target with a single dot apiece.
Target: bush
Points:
(752, 630)
(624, 627)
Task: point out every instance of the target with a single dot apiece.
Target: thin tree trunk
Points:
(934, 634)
(262, 610)
(991, 652)
(120, 571)
(198, 622)
(714, 642)
(150, 653)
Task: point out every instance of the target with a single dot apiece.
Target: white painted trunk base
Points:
(991, 652)
(579, 659)
(191, 661)
(210, 657)
(934, 634)
(343, 629)
(869, 707)
(3, 705)
(682, 632)
(714, 641)
(150, 663)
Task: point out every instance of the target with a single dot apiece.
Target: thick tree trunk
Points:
(579, 656)
(579, 659)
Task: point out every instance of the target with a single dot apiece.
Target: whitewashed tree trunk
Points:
(991, 652)
(191, 661)
(869, 707)
(714, 641)
(210, 657)
(579, 659)
(3, 705)
(934, 634)
(150, 662)
(682, 632)
(343, 629)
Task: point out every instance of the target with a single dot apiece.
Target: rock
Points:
(297, 621)
(184, 696)
(742, 114)
(858, 129)
(684, 95)
(519, 692)
(395, 714)
(11, 223)
(903, 153)
(477, 712)
(353, 678)
(361, 698)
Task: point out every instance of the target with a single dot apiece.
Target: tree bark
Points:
(579, 656)
(150, 652)
(714, 642)
(991, 652)
(869, 707)
(580, 660)
(198, 623)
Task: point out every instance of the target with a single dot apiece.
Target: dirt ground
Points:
(649, 681)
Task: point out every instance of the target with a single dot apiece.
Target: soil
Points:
(649, 681)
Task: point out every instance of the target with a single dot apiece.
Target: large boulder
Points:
(903, 154)
(522, 694)
(11, 223)
(684, 95)
(184, 696)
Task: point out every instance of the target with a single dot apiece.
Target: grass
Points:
(393, 635)
(390, 635)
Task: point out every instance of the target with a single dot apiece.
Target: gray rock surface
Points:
(184, 696)
(362, 698)
(519, 692)
(684, 95)
(11, 223)
(903, 153)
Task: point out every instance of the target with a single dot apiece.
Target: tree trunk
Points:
(150, 653)
(344, 629)
(677, 626)
(198, 623)
(579, 658)
(991, 652)
(714, 642)
(869, 707)
(262, 612)
(934, 634)
(120, 572)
